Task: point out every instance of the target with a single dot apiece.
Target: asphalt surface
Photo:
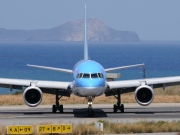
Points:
(24, 115)
(172, 133)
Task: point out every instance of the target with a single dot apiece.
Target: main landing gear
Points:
(57, 106)
(89, 112)
(119, 106)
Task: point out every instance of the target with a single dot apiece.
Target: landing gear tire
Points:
(61, 108)
(115, 108)
(54, 108)
(120, 108)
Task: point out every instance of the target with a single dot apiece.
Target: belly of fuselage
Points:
(88, 91)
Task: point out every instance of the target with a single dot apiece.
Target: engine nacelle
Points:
(144, 95)
(32, 96)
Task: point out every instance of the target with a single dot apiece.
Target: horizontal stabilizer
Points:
(125, 67)
(52, 68)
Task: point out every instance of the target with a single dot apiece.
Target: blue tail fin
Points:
(86, 57)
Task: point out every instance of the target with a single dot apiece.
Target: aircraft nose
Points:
(91, 83)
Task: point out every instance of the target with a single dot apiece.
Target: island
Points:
(72, 31)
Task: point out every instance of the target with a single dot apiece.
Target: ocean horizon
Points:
(161, 58)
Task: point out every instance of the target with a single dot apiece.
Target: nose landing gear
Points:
(89, 112)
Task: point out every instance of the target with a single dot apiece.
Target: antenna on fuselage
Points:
(86, 57)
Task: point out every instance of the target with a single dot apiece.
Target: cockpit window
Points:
(79, 75)
(94, 75)
(100, 75)
(86, 75)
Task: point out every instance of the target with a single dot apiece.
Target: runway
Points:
(74, 113)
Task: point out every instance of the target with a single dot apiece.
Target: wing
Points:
(45, 86)
(131, 85)
(125, 67)
(52, 68)
(143, 88)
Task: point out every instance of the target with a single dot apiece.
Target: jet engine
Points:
(32, 96)
(144, 95)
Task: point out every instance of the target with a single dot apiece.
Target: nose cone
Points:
(90, 87)
(90, 83)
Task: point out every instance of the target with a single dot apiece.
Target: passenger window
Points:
(94, 75)
(86, 76)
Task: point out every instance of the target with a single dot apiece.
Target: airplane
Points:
(89, 81)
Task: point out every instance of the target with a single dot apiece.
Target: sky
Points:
(150, 19)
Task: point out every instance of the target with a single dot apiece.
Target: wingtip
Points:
(29, 65)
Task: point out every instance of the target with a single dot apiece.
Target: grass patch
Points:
(118, 128)
(140, 127)
(3, 130)
(171, 95)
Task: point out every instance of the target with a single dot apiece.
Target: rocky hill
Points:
(71, 31)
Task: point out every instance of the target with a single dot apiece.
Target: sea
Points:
(161, 58)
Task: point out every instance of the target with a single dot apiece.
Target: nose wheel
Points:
(89, 112)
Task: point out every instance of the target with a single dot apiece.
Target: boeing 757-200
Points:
(89, 81)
